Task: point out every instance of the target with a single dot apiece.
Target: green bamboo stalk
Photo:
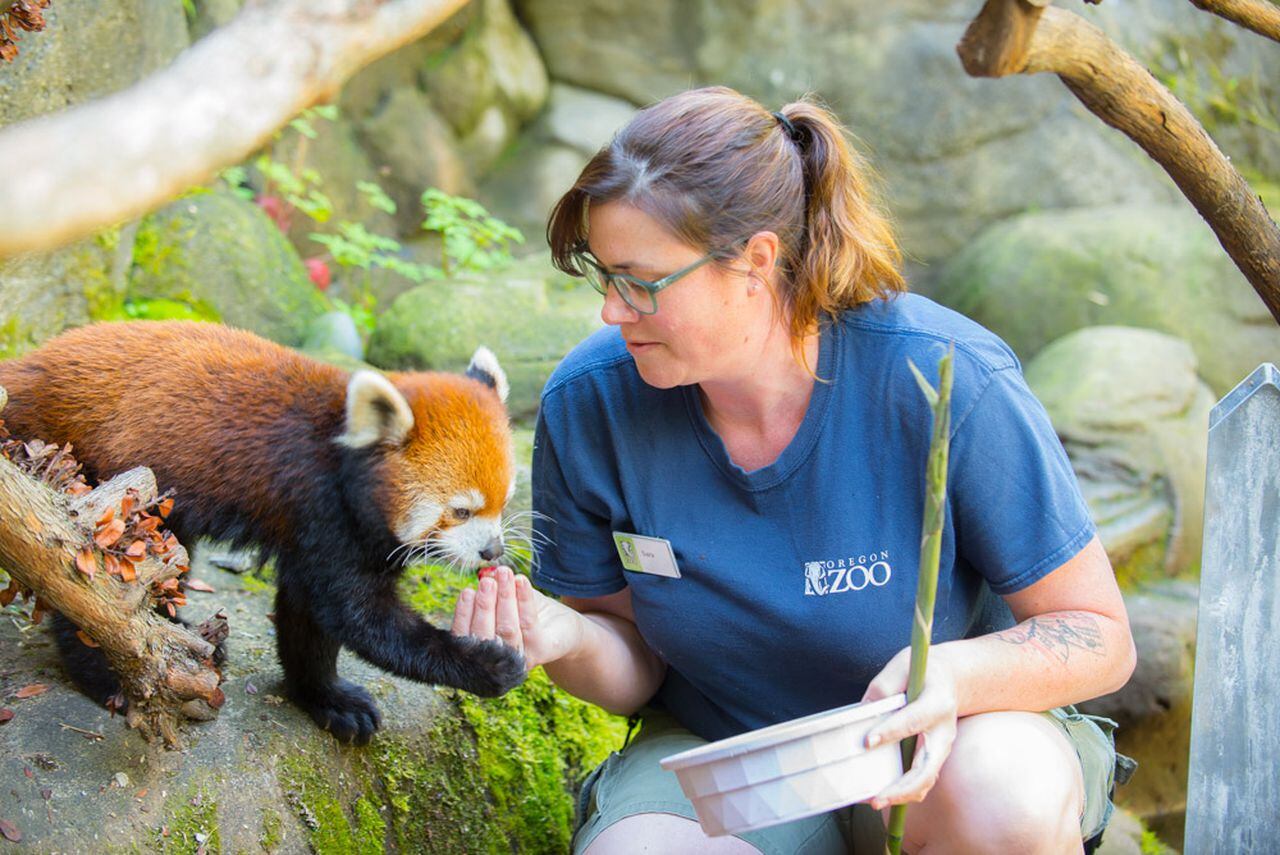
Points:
(930, 548)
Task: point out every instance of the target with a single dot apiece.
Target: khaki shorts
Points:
(631, 782)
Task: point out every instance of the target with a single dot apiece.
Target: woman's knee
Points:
(662, 833)
(1011, 784)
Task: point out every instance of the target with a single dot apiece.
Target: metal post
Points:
(1233, 787)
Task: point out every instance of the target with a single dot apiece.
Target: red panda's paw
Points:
(345, 710)
(488, 667)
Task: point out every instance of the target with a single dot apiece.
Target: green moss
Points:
(186, 815)
(436, 793)
(318, 804)
(1143, 565)
(1151, 844)
(15, 339)
(534, 743)
(272, 827)
(370, 828)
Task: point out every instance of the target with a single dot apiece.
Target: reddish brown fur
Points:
(245, 432)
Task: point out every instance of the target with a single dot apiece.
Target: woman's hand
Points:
(932, 717)
(507, 607)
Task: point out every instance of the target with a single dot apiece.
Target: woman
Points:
(750, 404)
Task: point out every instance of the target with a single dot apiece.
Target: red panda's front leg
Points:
(382, 630)
(309, 656)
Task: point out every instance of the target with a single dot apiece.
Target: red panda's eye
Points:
(461, 514)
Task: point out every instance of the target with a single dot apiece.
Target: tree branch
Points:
(1258, 15)
(1121, 92)
(166, 671)
(116, 158)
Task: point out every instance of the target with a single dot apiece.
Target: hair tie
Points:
(791, 129)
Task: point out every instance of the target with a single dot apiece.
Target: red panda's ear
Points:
(485, 368)
(376, 411)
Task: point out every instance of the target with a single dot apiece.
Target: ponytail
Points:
(847, 254)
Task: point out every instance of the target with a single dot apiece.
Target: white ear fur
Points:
(485, 368)
(376, 411)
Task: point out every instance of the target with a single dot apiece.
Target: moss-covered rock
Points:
(1134, 419)
(220, 253)
(89, 49)
(530, 315)
(1036, 277)
(43, 294)
(448, 773)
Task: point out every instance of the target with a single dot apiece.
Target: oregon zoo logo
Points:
(840, 575)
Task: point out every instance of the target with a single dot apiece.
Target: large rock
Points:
(415, 149)
(1154, 708)
(580, 119)
(43, 294)
(958, 153)
(88, 50)
(549, 156)
(529, 315)
(1038, 276)
(479, 73)
(447, 773)
(218, 251)
(496, 63)
(1134, 419)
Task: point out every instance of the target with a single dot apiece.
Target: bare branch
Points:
(118, 157)
(162, 667)
(1121, 92)
(1258, 15)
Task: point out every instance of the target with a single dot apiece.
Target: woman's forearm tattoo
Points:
(1057, 635)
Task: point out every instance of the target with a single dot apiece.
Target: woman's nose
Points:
(615, 310)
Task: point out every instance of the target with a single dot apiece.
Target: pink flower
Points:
(319, 273)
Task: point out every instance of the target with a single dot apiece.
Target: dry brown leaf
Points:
(136, 551)
(85, 562)
(6, 714)
(85, 639)
(126, 506)
(127, 572)
(107, 516)
(31, 690)
(112, 564)
(165, 507)
(199, 585)
(10, 831)
(109, 533)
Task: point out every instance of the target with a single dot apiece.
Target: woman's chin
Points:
(659, 375)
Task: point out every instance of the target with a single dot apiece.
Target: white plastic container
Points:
(790, 770)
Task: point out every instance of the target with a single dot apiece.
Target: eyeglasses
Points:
(639, 294)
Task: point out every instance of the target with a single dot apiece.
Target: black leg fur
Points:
(309, 657)
(87, 666)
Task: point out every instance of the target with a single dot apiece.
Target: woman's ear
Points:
(376, 412)
(761, 254)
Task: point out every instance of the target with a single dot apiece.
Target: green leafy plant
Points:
(473, 239)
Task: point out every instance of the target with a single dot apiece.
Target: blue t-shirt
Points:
(798, 580)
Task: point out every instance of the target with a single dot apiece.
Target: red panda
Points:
(336, 475)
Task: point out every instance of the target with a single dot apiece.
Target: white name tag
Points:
(642, 554)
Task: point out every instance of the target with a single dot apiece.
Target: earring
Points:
(755, 284)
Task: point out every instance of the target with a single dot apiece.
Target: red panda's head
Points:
(445, 468)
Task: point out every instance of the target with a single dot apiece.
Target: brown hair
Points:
(714, 167)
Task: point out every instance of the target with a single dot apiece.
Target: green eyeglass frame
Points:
(639, 294)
